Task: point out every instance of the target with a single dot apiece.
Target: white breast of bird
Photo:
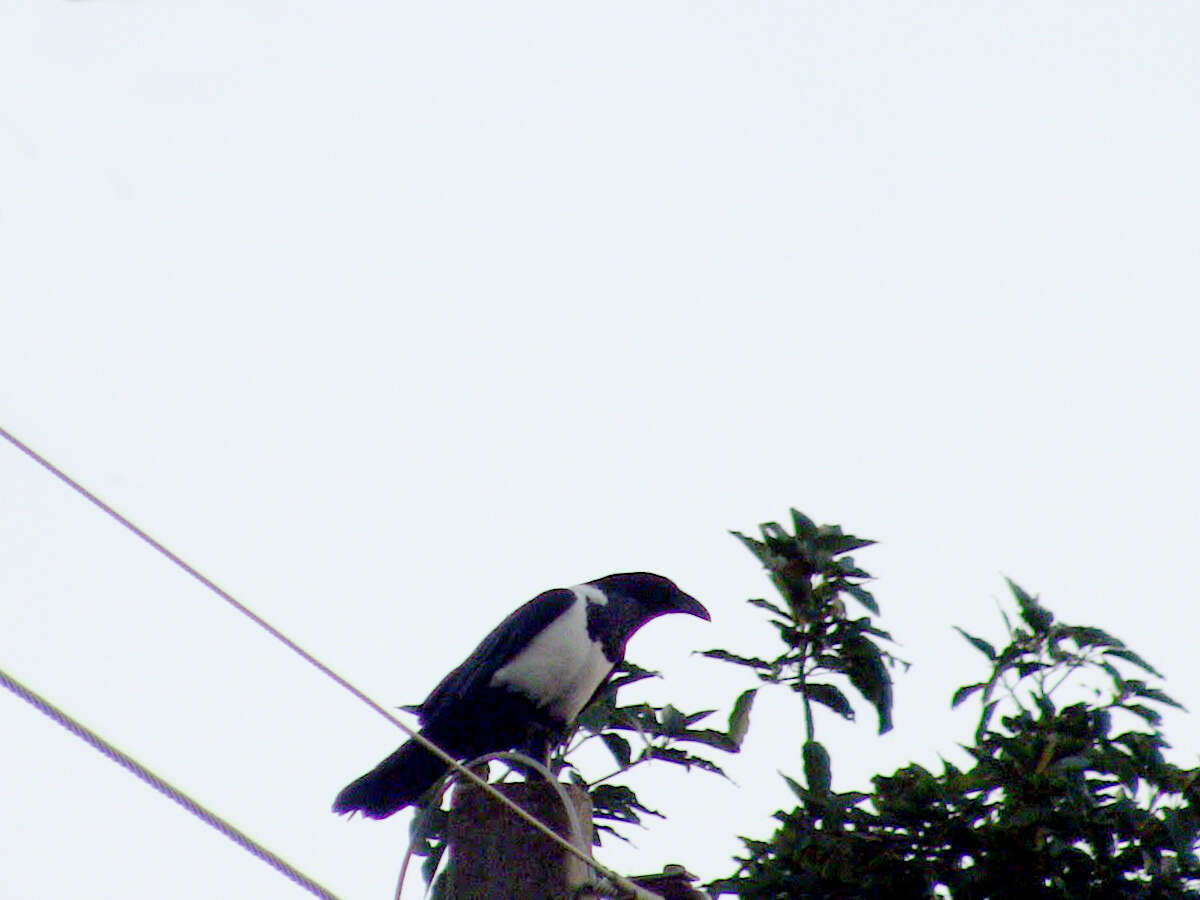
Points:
(560, 668)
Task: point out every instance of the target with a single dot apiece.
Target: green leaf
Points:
(739, 718)
(1044, 704)
(618, 747)
(1114, 674)
(616, 802)
(1129, 656)
(847, 569)
(758, 548)
(679, 757)
(979, 644)
(672, 720)
(639, 717)
(816, 768)
(863, 664)
(769, 606)
(828, 695)
(709, 737)
(796, 788)
(750, 662)
(804, 526)
(1087, 636)
(1035, 615)
(1141, 689)
(984, 718)
(863, 596)
(1071, 764)
(833, 540)
(1151, 716)
(964, 692)
(629, 673)
(1030, 666)
(878, 632)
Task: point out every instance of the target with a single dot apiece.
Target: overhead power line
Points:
(165, 788)
(622, 886)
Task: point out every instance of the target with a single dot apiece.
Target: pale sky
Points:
(390, 316)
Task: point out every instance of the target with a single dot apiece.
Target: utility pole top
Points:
(493, 855)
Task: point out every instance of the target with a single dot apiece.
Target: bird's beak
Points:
(685, 603)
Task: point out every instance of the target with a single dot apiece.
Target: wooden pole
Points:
(496, 856)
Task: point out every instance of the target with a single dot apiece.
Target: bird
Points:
(523, 686)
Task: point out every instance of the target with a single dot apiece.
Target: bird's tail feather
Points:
(395, 783)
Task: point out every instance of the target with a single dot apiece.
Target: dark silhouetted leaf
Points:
(1129, 656)
(1086, 636)
(828, 695)
(758, 548)
(618, 803)
(680, 757)
(739, 718)
(769, 606)
(1141, 689)
(863, 596)
(804, 526)
(964, 692)
(751, 662)
(979, 644)
(628, 673)
(1028, 668)
(1151, 716)
(816, 767)
(618, 747)
(672, 720)
(1035, 615)
(864, 666)
(984, 718)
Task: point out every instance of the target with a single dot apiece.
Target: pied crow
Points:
(523, 685)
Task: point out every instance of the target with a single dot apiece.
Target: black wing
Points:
(508, 639)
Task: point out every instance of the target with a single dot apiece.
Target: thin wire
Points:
(165, 788)
(618, 880)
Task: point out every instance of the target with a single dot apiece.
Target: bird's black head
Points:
(653, 595)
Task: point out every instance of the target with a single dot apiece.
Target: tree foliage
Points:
(1065, 792)
(1060, 799)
